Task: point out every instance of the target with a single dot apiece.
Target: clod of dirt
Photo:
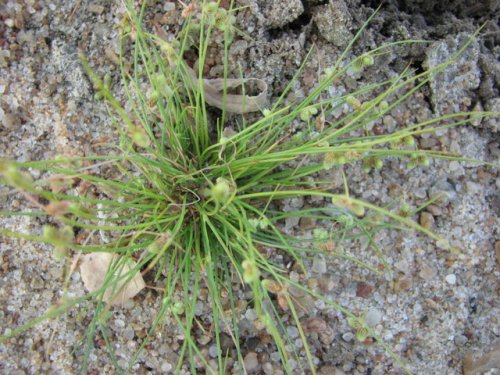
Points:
(333, 22)
(278, 13)
(453, 88)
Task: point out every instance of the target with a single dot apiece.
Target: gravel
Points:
(433, 309)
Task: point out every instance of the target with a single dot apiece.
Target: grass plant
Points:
(194, 201)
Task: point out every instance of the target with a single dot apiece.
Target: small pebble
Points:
(292, 331)
(319, 265)
(168, 7)
(330, 370)
(294, 276)
(129, 333)
(445, 191)
(327, 336)
(435, 210)
(364, 289)
(373, 317)
(122, 363)
(348, 336)
(213, 351)
(226, 342)
(426, 272)
(251, 362)
(165, 367)
(307, 223)
(451, 279)
(204, 339)
(251, 315)
(442, 244)
(403, 283)
(473, 187)
(403, 266)
(95, 8)
(426, 220)
(275, 357)
(420, 193)
(268, 368)
(11, 121)
(291, 222)
(454, 165)
(293, 364)
(299, 344)
(461, 340)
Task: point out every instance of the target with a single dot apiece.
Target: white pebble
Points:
(319, 265)
(451, 279)
(275, 357)
(454, 165)
(168, 7)
(213, 351)
(348, 336)
(292, 331)
(165, 367)
(299, 344)
(251, 315)
(373, 317)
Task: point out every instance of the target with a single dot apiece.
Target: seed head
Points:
(251, 272)
(222, 190)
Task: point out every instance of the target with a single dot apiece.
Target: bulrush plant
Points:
(190, 203)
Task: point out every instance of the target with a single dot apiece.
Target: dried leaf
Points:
(326, 246)
(59, 183)
(272, 286)
(232, 103)
(95, 267)
(282, 301)
(188, 10)
(57, 208)
(214, 88)
(485, 363)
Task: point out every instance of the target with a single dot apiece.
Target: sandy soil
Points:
(433, 310)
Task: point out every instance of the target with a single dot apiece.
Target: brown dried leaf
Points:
(214, 93)
(188, 10)
(57, 208)
(327, 246)
(272, 286)
(95, 267)
(485, 363)
(59, 183)
(282, 301)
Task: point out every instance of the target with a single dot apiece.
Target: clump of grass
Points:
(194, 202)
